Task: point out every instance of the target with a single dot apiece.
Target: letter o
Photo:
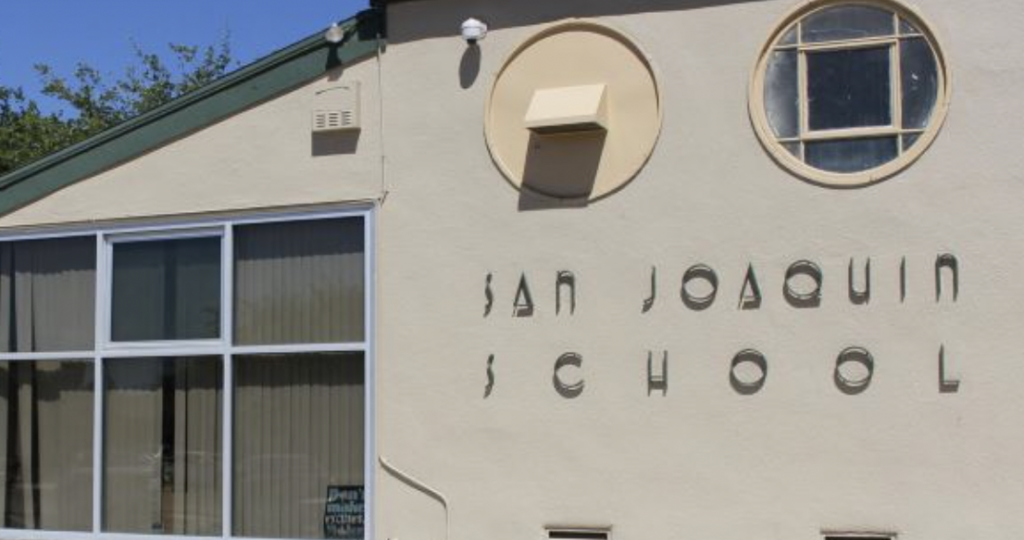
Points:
(748, 387)
(699, 271)
(811, 299)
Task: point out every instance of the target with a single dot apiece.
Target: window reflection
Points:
(46, 413)
(299, 430)
(848, 88)
(162, 435)
(166, 290)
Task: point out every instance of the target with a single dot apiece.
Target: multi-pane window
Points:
(848, 92)
(192, 381)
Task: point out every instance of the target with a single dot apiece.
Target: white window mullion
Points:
(369, 361)
(300, 348)
(227, 444)
(161, 352)
(31, 534)
(97, 445)
(160, 235)
(104, 289)
(97, 406)
(24, 357)
(227, 285)
(227, 404)
(896, 91)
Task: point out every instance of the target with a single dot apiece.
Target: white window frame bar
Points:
(222, 226)
(227, 316)
(98, 375)
(369, 374)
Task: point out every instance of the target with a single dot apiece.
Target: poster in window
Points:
(343, 515)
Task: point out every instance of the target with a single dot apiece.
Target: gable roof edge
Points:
(254, 83)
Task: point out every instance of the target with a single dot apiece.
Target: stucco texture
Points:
(266, 156)
(795, 459)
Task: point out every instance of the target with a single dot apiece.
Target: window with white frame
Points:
(848, 92)
(206, 380)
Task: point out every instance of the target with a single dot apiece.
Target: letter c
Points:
(564, 389)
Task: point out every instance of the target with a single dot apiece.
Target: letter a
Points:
(523, 306)
(750, 295)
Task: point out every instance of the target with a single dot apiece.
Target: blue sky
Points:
(62, 33)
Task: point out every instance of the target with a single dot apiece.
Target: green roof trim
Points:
(263, 79)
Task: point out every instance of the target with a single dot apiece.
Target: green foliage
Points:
(92, 102)
(26, 134)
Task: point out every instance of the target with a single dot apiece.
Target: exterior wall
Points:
(791, 461)
(701, 461)
(263, 157)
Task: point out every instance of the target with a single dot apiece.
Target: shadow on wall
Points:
(335, 143)
(422, 20)
(469, 67)
(561, 167)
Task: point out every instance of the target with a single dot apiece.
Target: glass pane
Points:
(849, 88)
(47, 295)
(162, 446)
(166, 289)
(789, 38)
(909, 140)
(781, 99)
(907, 28)
(847, 22)
(299, 435)
(920, 80)
(46, 461)
(793, 148)
(299, 282)
(850, 155)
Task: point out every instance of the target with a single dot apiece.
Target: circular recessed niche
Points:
(574, 113)
(847, 93)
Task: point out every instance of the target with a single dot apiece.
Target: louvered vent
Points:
(333, 120)
(337, 109)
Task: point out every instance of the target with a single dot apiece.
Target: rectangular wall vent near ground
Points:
(859, 536)
(580, 533)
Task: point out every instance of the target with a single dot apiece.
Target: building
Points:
(720, 269)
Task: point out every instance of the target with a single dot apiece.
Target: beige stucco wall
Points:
(265, 156)
(702, 461)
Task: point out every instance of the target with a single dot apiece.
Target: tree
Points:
(91, 103)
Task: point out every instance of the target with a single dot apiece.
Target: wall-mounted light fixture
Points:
(335, 34)
(473, 30)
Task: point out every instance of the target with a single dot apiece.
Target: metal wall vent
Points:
(578, 533)
(337, 109)
(332, 120)
(859, 536)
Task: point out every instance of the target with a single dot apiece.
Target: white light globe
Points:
(473, 30)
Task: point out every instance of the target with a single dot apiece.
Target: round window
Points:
(849, 93)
